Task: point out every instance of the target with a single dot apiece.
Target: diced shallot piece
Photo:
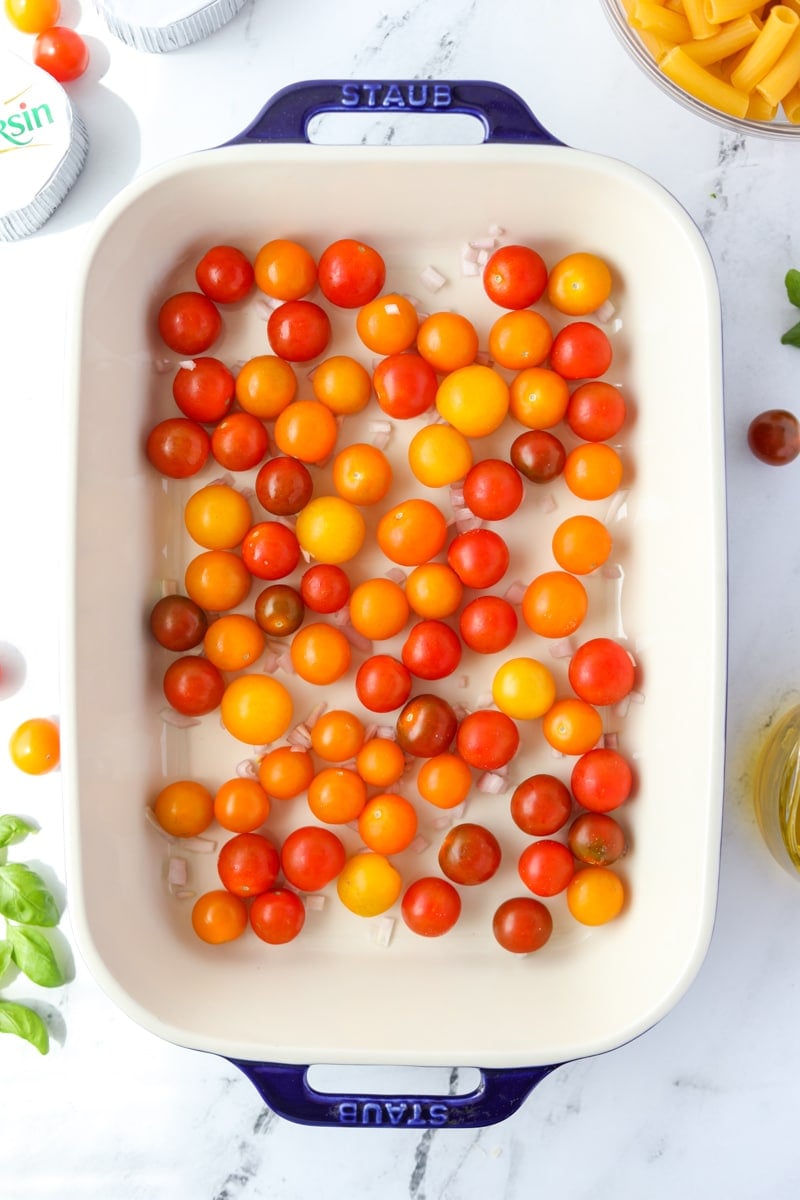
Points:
(483, 243)
(162, 365)
(396, 574)
(618, 508)
(611, 571)
(611, 741)
(154, 822)
(247, 769)
(492, 782)
(563, 648)
(605, 312)
(177, 871)
(315, 714)
(515, 592)
(356, 639)
(432, 279)
(419, 844)
(315, 902)
(188, 364)
(382, 930)
(299, 736)
(199, 845)
(169, 587)
(171, 716)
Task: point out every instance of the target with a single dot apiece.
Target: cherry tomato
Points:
(225, 274)
(412, 532)
(233, 642)
(430, 906)
(774, 437)
(596, 411)
(572, 726)
(218, 916)
(241, 805)
(286, 772)
(405, 385)
(388, 324)
(256, 709)
(217, 580)
(538, 455)
(184, 808)
(193, 685)
(469, 854)
(368, 884)
(538, 397)
(487, 739)
(177, 447)
(601, 780)
(320, 653)
(33, 16)
(217, 516)
(447, 340)
(205, 391)
(488, 624)
(523, 688)
(439, 455)
(383, 683)
(378, 608)
(283, 486)
(515, 276)
(337, 735)
(444, 780)
(35, 746)
(362, 473)
(387, 823)
(426, 726)
(279, 610)
(336, 795)
(479, 557)
(493, 489)
(522, 924)
(546, 867)
(520, 339)
(277, 916)
(581, 351)
(343, 384)
(306, 429)
(434, 590)
(601, 671)
(380, 762)
(581, 544)
(578, 284)
(330, 529)
(325, 588)
(298, 330)
(432, 650)
(265, 385)
(554, 604)
(240, 441)
(596, 839)
(177, 623)
(350, 273)
(285, 270)
(248, 864)
(61, 52)
(312, 857)
(189, 323)
(595, 895)
(541, 805)
(474, 399)
(270, 550)
(593, 471)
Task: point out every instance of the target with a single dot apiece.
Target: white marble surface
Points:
(705, 1102)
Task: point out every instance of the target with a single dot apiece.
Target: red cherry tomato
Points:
(270, 550)
(479, 557)
(189, 323)
(580, 351)
(493, 489)
(283, 486)
(405, 385)
(546, 867)
(522, 924)
(311, 857)
(774, 437)
(487, 739)
(277, 916)
(325, 588)
(61, 52)
(225, 274)
(430, 906)
(596, 839)
(239, 442)
(432, 650)
(601, 780)
(541, 805)
(248, 864)
(193, 685)
(488, 624)
(298, 330)
(204, 392)
(426, 726)
(383, 683)
(596, 411)
(515, 276)
(601, 672)
(178, 447)
(469, 854)
(350, 273)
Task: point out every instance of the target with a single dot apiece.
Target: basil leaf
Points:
(793, 287)
(34, 955)
(25, 1023)
(5, 957)
(792, 336)
(14, 829)
(25, 897)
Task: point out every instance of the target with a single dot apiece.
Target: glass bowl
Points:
(616, 12)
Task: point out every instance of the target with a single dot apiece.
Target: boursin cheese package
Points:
(43, 146)
(160, 25)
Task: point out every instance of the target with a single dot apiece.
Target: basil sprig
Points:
(792, 281)
(28, 906)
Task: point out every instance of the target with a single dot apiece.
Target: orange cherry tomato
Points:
(378, 608)
(233, 642)
(554, 604)
(581, 544)
(219, 916)
(184, 808)
(336, 795)
(539, 398)
(388, 324)
(388, 823)
(434, 590)
(337, 735)
(362, 473)
(306, 429)
(578, 284)
(439, 455)
(217, 580)
(593, 471)
(519, 339)
(572, 726)
(241, 805)
(380, 762)
(35, 746)
(265, 385)
(320, 653)
(342, 383)
(285, 270)
(444, 780)
(447, 340)
(412, 532)
(285, 772)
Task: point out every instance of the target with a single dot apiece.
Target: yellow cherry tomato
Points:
(474, 399)
(595, 895)
(256, 709)
(35, 746)
(330, 529)
(217, 516)
(265, 385)
(368, 884)
(439, 455)
(578, 284)
(523, 688)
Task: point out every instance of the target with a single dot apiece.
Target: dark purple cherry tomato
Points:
(177, 623)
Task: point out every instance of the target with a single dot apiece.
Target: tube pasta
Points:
(783, 76)
(766, 49)
(731, 38)
(654, 18)
(699, 23)
(728, 10)
(701, 84)
(791, 105)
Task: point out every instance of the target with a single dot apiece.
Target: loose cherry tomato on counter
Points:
(320, 653)
(368, 884)
(439, 455)
(383, 683)
(286, 772)
(774, 437)
(572, 726)
(248, 864)
(538, 397)
(601, 671)
(554, 604)
(595, 895)
(493, 489)
(270, 550)
(432, 650)
(298, 330)
(225, 274)
(380, 762)
(239, 442)
(350, 273)
(447, 340)
(473, 399)
(522, 924)
(546, 867)
(444, 780)
(342, 383)
(204, 392)
(430, 906)
(279, 610)
(265, 385)
(515, 276)
(378, 608)
(488, 624)
(330, 529)
(593, 471)
(233, 642)
(35, 746)
(336, 795)
(578, 284)
(434, 590)
(177, 623)
(412, 532)
(218, 916)
(193, 685)
(596, 839)
(217, 516)
(283, 486)
(523, 688)
(277, 916)
(61, 52)
(189, 323)
(541, 805)
(217, 580)
(581, 351)
(325, 588)
(581, 544)
(469, 854)
(405, 385)
(388, 324)
(426, 726)
(33, 16)
(312, 857)
(177, 447)
(256, 709)
(241, 805)
(362, 474)
(337, 735)
(284, 270)
(387, 823)
(184, 808)
(601, 780)
(487, 739)
(479, 557)
(306, 429)
(596, 411)
(520, 339)
(538, 455)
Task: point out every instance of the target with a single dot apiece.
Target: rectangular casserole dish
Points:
(334, 995)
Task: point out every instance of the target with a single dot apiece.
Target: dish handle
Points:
(504, 115)
(286, 1090)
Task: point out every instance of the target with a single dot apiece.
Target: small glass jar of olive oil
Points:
(777, 791)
